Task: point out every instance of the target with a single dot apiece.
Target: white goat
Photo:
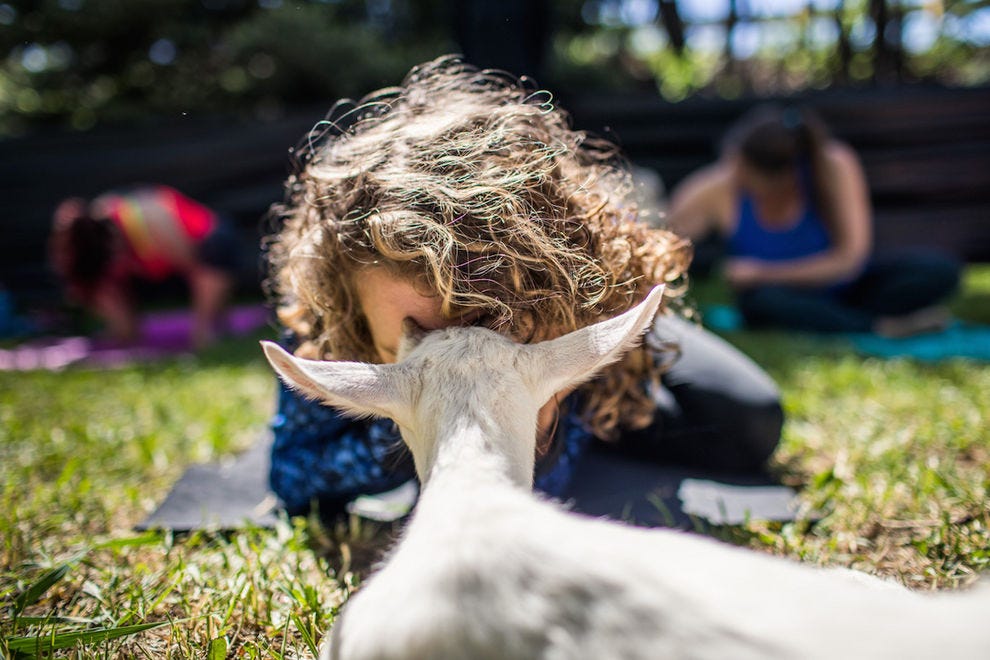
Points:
(485, 569)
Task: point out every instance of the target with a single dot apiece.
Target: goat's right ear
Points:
(566, 361)
(356, 388)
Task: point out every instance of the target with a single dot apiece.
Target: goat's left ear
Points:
(356, 388)
(566, 361)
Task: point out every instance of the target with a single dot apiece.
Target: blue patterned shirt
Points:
(321, 456)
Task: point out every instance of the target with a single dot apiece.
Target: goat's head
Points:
(448, 378)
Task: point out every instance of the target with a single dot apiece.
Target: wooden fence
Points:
(926, 152)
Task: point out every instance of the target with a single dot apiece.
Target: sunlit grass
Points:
(87, 454)
(891, 457)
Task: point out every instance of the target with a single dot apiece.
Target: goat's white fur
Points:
(485, 569)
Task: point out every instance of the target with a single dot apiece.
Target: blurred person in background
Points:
(148, 232)
(792, 204)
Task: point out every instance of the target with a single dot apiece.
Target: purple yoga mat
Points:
(162, 334)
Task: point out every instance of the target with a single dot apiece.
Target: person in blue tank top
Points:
(793, 207)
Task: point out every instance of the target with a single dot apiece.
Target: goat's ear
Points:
(567, 361)
(356, 388)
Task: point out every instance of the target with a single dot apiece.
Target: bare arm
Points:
(850, 228)
(702, 203)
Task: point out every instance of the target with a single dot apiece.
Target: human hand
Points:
(743, 273)
(68, 210)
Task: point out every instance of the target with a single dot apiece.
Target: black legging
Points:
(717, 408)
(891, 285)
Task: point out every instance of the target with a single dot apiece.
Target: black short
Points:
(224, 249)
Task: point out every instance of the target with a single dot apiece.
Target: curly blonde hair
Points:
(473, 185)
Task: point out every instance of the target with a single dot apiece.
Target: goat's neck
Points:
(470, 454)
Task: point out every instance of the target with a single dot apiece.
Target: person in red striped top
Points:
(147, 232)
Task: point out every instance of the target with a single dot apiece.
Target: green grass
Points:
(892, 459)
(892, 455)
(84, 455)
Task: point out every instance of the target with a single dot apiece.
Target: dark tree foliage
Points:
(84, 62)
(81, 63)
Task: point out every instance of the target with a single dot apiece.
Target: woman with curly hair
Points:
(463, 197)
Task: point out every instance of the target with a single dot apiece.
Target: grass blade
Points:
(306, 634)
(148, 538)
(60, 640)
(50, 578)
(33, 593)
(218, 649)
(49, 620)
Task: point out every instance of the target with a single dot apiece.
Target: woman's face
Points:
(387, 300)
(765, 187)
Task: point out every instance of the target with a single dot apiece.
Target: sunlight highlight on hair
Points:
(473, 183)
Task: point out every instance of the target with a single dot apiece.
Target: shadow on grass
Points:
(352, 544)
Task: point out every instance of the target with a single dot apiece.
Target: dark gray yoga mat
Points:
(233, 494)
(609, 484)
(220, 496)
